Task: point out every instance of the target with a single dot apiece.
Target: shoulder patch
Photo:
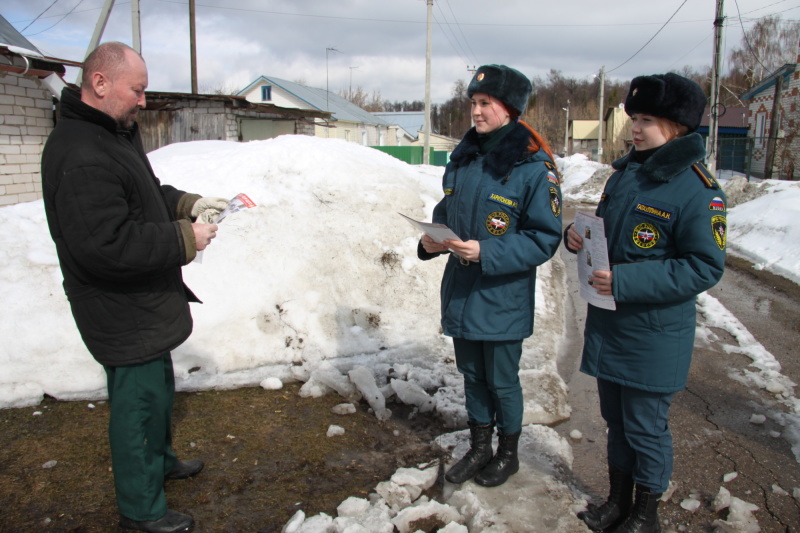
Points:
(705, 176)
(552, 172)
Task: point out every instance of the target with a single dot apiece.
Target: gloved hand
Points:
(205, 210)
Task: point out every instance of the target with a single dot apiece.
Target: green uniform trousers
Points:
(140, 435)
(491, 382)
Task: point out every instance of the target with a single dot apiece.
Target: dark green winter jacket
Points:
(510, 200)
(665, 221)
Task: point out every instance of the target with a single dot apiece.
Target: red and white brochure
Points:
(239, 202)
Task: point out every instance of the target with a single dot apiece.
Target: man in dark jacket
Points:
(122, 239)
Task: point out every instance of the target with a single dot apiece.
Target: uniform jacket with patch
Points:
(665, 225)
(510, 200)
(119, 239)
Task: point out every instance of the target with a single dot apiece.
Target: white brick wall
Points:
(26, 119)
(788, 147)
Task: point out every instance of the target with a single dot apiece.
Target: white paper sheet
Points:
(437, 232)
(593, 256)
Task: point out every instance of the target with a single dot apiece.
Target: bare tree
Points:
(769, 44)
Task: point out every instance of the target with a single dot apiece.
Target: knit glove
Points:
(205, 210)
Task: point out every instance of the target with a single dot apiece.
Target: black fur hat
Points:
(667, 96)
(504, 83)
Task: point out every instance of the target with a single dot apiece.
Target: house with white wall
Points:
(28, 83)
(412, 130)
(347, 121)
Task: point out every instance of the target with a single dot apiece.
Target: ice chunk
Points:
(416, 477)
(427, 510)
(412, 394)
(352, 506)
(334, 430)
(294, 523)
(730, 476)
(272, 384)
(343, 409)
(690, 504)
(329, 375)
(364, 381)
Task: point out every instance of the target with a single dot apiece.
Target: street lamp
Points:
(566, 130)
(600, 121)
(327, 90)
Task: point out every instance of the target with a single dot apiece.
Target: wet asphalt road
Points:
(710, 420)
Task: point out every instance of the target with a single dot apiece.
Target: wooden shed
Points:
(180, 117)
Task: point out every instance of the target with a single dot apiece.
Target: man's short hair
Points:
(108, 58)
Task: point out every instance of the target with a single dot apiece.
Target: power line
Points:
(457, 45)
(59, 20)
(461, 31)
(39, 15)
(651, 38)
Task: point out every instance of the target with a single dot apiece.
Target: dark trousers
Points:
(140, 435)
(639, 439)
(491, 382)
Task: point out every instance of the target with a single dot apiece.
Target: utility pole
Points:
(426, 156)
(713, 127)
(566, 130)
(774, 122)
(98, 33)
(137, 26)
(600, 122)
(193, 46)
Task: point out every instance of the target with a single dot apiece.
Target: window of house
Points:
(266, 93)
(761, 122)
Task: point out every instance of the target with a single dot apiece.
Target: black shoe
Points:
(503, 465)
(644, 515)
(172, 522)
(478, 456)
(184, 469)
(618, 505)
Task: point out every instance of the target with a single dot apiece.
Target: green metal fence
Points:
(413, 154)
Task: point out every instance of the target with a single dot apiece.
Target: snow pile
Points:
(582, 180)
(318, 284)
(762, 229)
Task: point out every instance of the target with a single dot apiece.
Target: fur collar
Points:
(672, 159)
(499, 161)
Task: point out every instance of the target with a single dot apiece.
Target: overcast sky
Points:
(379, 45)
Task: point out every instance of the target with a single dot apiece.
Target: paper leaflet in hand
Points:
(239, 202)
(437, 232)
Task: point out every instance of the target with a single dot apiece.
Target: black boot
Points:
(172, 522)
(644, 516)
(504, 464)
(478, 456)
(616, 508)
(185, 469)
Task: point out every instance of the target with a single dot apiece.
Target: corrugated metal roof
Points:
(323, 100)
(9, 36)
(733, 117)
(411, 121)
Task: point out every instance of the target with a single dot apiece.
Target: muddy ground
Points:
(266, 453)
